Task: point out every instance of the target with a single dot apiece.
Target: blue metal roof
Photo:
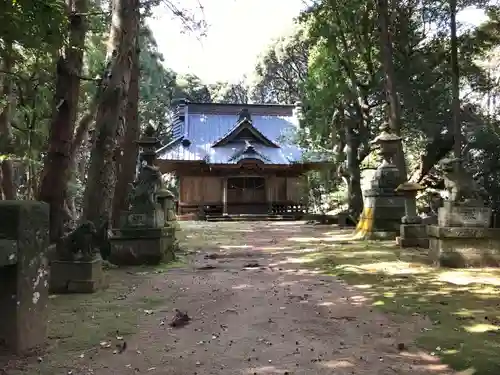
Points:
(205, 124)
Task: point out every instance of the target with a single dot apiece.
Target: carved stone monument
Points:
(24, 272)
(383, 206)
(147, 227)
(413, 233)
(462, 237)
(78, 264)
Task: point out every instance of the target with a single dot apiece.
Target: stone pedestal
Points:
(381, 216)
(412, 232)
(413, 235)
(383, 206)
(76, 276)
(24, 237)
(136, 246)
(460, 247)
(452, 215)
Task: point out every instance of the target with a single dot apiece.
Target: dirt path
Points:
(272, 318)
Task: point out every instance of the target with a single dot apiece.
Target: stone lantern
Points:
(383, 206)
(148, 144)
(412, 232)
(144, 236)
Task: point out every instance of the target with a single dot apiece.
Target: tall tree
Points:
(127, 159)
(6, 138)
(455, 83)
(225, 92)
(390, 84)
(281, 69)
(110, 117)
(58, 162)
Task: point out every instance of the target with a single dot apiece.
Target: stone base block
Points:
(413, 235)
(462, 247)
(76, 276)
(143, 246)
(381, 217)
(412, 242)
(24, 273)
(452, 215)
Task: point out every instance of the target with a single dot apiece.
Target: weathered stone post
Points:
(383, 206)
(77, 267)
(147, 227)
(463, 237)
(413, 233)
(24, 238)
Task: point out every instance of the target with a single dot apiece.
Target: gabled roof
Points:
(210, 133)
(248, 152)
(244, 124)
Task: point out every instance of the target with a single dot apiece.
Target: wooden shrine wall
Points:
(200, 189)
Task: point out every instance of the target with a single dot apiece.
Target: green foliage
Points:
(156, 85)
(32, 24)
(281, 69)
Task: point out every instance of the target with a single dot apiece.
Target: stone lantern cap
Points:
(409, 187)
(148, 137)
(164, 193)
(385, 136)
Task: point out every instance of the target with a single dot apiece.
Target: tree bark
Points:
(130, 149)
(110, 117)
(57, 166)
(455, 83)
(354, 193)
(6, 137)
(394, 110)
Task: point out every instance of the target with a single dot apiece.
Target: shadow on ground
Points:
(463, 305)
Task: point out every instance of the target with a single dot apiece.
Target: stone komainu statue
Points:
(461, 187)
(84, 243)
(143, 191)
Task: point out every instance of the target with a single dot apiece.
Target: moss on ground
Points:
(463, 305)
(87, 325)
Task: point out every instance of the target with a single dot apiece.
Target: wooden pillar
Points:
(224, 196)
(269, 195)
(179, 199)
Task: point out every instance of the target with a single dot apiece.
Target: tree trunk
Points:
(6, 137)
(354, 193)
(128, 159)
(57, 166)
(390, 84)
(455, 83)
(110, 118)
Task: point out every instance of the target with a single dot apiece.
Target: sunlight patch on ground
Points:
(481, 328)
(466, 277)
(359, 299)
(273, 248)
(229, 247)
(363, 286)
(243, 286)
(265, 370)
(396, 268)
(306, 239)
(291, 261)
(338, 364)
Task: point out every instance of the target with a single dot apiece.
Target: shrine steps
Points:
(253, 217)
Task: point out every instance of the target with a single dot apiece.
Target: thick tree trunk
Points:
(354, 194)
(129, 146)
(455, 83)
(57, 166)
(110, 118)
(6, 137)
(390, 84)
